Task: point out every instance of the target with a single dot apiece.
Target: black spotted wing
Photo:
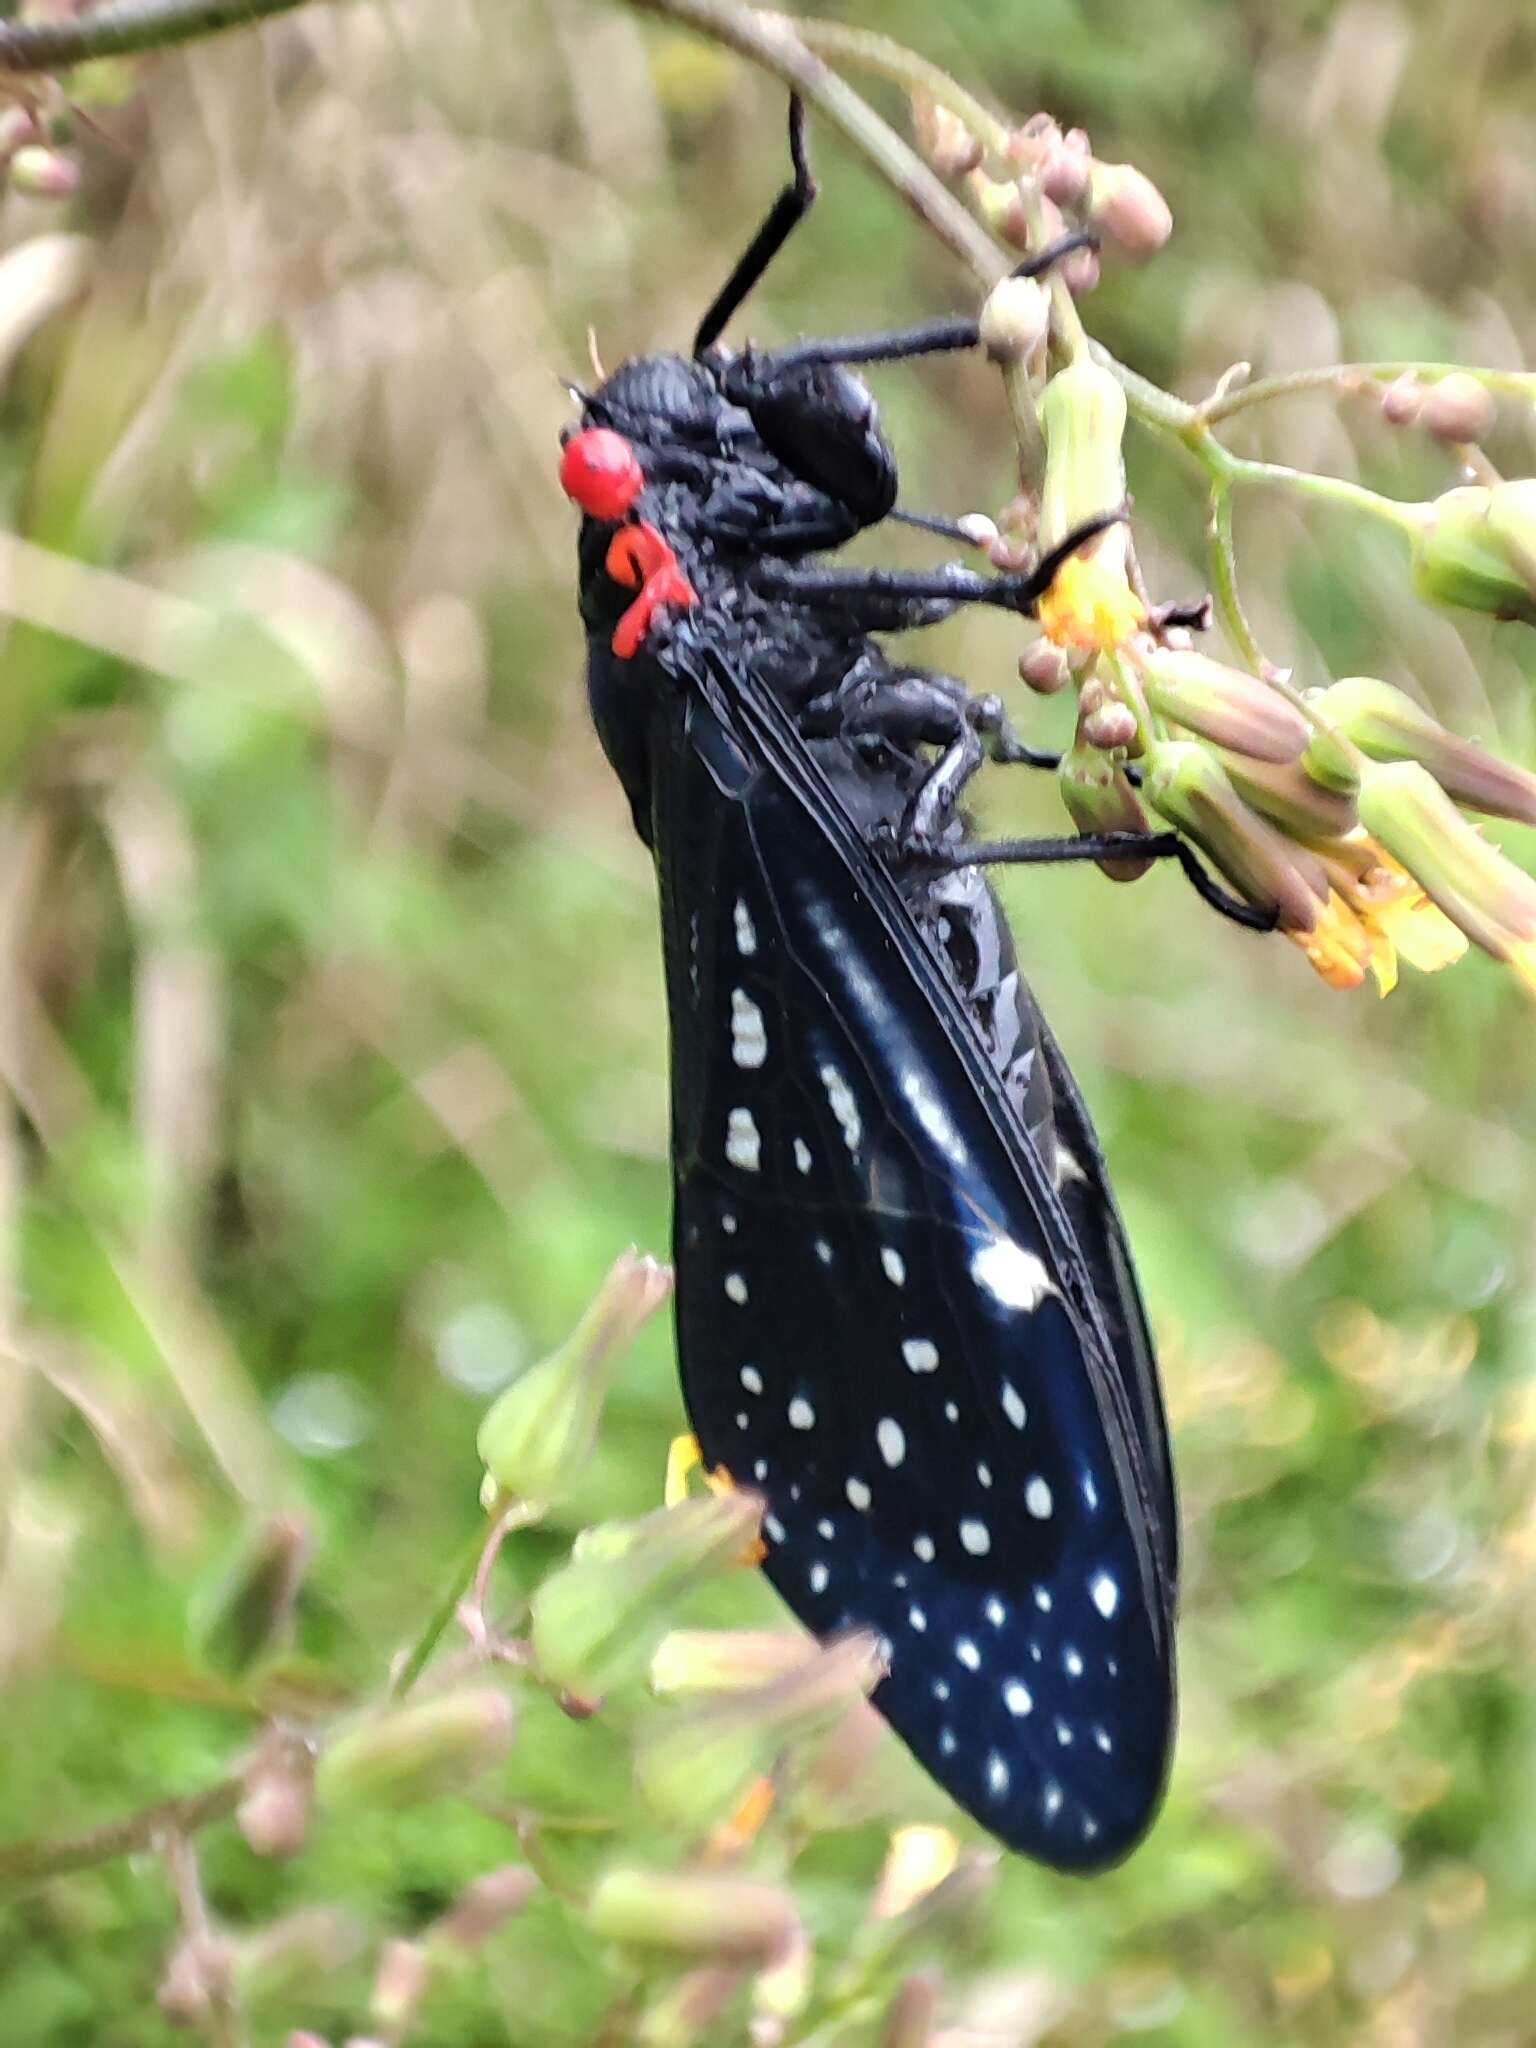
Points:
(886, 1322)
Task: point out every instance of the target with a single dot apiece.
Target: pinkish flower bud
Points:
(1225, 705)
(943, 138)
(1110, 726)
(1044, 667)
(1387, 725)
(1100, 799)
(692, 1660)
(416, 1752)
(1402, 400)
(18, 126)
(1080, 272)
(978, 529)
(273, 1814)
(598, 1620)
(1185, 784)
(1289, 798)
(538, 1434)
(1015, 319)
(1128, 210)
(1486, 895)
(43, 173)
(1000, 207)
(733, 1918)
(1065, 173)
(695, 1764)
(486, 1903)
(1459, 409)
(398, 1987)
(912, 2015)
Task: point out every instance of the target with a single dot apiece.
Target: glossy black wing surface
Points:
(885, 1322)
(1082, 1183)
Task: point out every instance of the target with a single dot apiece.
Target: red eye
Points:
(601, 472)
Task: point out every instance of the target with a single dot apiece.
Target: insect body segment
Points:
(906, 1312)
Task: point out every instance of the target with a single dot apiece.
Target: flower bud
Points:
(1459, 409)
(1285, 794)
(415, 1752)
(1402, 400)
(1187, 786)
(1476, 547)
(943, 138)
(1044, 667)
(1128, 210)
(1487, 896)
(246, 1614)
(783, 1990)
(978, 529)
(538, 1435)
(596, 1622)
(485, 1904)
(1225, 705)
(275, 1799)
(1110, 726)
(920, 1857)
(43, 173)
(1082, 414)
(694, 1764)
(398, 1987)
(725, 1659)
(1386, 724)
(1015, 319)
(733, 1918)
(1065, 169)
(19, 125)
(691, 2009)
(1000, 208)
(912, 2014)
(1099, 798)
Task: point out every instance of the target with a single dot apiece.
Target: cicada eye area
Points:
(601, 472)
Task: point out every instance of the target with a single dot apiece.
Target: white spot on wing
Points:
(824, 1529)
(895, 1266)
(1011, 1275)
(934, 1118)
(801, 1414)
(997, 1775)
(736, 1289)
(751, 1379)
(918, 1619)
(1050, 1801)
(844, 1108)
(922, 1546)
(975, 1537)
(858, 1493)
(921, 1354)
(802, 1155)
(746, 933)
(1017, 1698)
(1072, 1663)
(749, 1035)
(819, 1576)
(1105, 1593)
(773, 1528)
(743, 1141)
(1013, 1405)
(1037, 1498)
(968, 1653)
(892, 1439)
(995, 1612)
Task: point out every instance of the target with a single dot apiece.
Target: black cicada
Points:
(906, 1311)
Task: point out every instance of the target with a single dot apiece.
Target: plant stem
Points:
(774, 42)
(1223, 565)
(29, 1863)
(123, 28)
(1344, 376)
(441, 1617)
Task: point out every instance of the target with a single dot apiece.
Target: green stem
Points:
(1225, 468)
(123, 28)
(23, 1864)
(1223, 564)
(441, 1618)
(1344, 376)
(871, 51)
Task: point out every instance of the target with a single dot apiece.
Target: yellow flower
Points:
(1384, 914)
(1090, 605)
(1338, 947)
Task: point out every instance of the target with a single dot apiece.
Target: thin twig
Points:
(124, 29)
(23, 1864)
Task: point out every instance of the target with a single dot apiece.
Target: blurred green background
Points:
(331, 1021)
